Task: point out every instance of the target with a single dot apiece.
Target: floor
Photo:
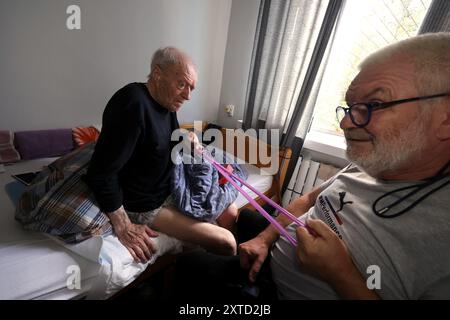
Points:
(149, 290)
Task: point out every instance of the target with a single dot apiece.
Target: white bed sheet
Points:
(257, 178)
(37, 266)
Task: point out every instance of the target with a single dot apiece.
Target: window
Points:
(364, 27)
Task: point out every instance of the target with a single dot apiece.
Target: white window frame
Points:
(326, 147)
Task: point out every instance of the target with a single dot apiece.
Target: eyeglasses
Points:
(361, 113)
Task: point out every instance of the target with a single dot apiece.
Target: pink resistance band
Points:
(231, 177)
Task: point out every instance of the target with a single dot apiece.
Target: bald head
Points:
(430, 56)
(166, 57)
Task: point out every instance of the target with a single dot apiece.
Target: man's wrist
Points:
(269, 235)
(119, 218)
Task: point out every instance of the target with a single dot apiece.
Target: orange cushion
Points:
(83, 135)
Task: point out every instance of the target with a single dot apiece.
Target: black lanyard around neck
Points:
(384, 212)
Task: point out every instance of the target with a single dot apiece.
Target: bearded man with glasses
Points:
(380, 228)
(397, 143)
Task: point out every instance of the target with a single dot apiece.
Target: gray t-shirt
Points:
(412, 250)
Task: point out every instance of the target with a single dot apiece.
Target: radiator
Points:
(307, 175)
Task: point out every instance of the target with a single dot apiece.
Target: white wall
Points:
(52, 77)
(241, 36)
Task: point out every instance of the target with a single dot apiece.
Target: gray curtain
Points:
(290, 44)
(437, 18)
(301, 116)
(286, 33)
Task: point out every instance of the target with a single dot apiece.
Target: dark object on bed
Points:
(26, 178)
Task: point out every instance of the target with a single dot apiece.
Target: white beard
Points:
(392, 149)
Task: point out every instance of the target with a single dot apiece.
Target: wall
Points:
(241, 36)
(54, 77)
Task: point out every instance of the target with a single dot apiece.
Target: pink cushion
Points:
(8, 153)
(44, 143)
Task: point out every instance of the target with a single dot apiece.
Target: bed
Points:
(37, 266)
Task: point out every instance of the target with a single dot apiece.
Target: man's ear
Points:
(156, 73)
(443, 131)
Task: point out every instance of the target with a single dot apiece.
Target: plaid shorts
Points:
(147, 217)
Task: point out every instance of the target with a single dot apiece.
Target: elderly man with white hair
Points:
(131, 167)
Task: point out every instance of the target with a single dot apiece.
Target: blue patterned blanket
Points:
(196, 189)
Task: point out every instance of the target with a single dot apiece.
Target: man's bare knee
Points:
(227, 244)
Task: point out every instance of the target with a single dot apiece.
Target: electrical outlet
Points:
(229, 109)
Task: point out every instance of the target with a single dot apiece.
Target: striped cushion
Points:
(60, 203)
(8, 153)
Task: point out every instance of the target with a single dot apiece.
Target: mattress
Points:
(258, 179)
(38, 266)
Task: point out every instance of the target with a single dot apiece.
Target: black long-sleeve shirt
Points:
(131, 164)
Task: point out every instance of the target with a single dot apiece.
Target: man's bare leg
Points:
(228, 218)
(209, 236)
